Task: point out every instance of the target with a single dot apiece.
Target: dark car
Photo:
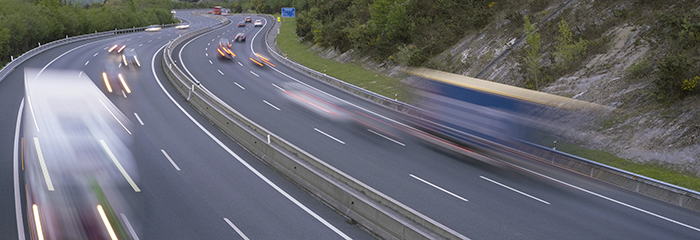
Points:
(240, 37)
(130, 59)
(224, 49)
(241, 24)
(260, 60)
(113, 78)
(248, 19)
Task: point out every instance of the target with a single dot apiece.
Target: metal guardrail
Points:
(379, 213)
(666, 192)
(9, 67)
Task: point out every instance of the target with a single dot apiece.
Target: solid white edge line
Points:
(328, 135)
(44, 169)
(115, 117)
(227, 149)
(270, 104)
(525, 169)
(387, 138)
(514, 190)
(15, 173)
(239, 85)
(138, 118)
(240, 233)
(119, 166)
(170, 159)
(254, 74)
(608, 198)
(278, 87)
(129, 227)
(29, 102)
(438, 187)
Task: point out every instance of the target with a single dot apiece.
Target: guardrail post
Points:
(39, 44)
(12, 58)
(190, 95)
(555, 145)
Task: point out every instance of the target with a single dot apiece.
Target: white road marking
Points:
(123, 93)
(95, 54)
(328, 135)
(439, 188)
(170, 159)
(220, 71)
(212, 39)
(160, 37)
(105, 48)
(240, 160)
(239, 85)
(240, 233)
(115, 117)
(385, 137)
(132, 50)
(607, 198)
(15, 172)
(206, 49)
(128, 226)
(514, 190)
(239, 63)
(278, 87)
(87, 62)
(208, 44)
(120, 64)
(254, 74)
(273, 106)
(80, 74)
(119, 166)
(210, 62)
(44, 170)
(141, 44)
(138, 118)
(207, 54)
(31, 109)
(150, 40)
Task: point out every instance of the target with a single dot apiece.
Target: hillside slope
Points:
(638, 56)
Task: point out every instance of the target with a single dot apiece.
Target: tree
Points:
(532, 55)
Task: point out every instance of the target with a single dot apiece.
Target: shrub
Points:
(638, 70)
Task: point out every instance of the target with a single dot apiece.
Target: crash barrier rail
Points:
(8, 68)
(372, 209)
(638, 183)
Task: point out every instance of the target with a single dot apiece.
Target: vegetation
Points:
(679, 67)
(26, 24)
(351, 73)
(532, 56)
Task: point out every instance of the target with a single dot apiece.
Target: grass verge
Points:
(357, 75)
(287, 41)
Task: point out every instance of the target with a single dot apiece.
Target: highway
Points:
(522, 200)
(195, 183)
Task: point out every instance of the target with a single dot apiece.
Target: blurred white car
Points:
(183, 26)
(153, 28)
(258, 23)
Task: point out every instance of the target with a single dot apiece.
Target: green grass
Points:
(351, 73)
(387, 86)
(653, 170)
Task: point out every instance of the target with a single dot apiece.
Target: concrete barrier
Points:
(375, 211)
(650, 187)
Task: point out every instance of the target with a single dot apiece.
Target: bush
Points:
(638, 70)
(673, 69)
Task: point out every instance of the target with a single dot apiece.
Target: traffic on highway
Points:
(102, 146)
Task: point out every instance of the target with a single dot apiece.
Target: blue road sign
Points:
(288, 12)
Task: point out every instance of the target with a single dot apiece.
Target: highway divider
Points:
(8, 68)
(663, 191)
(380, 214)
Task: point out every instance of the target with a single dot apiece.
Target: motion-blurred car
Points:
(129, 58)
(248, 19)
(224, 49)
(240, 37)
(317, 102)
(210, 12)
(172, 11)
(116, 48)
(182, 26)
(260, 60)
(153, 28)
(258, 23)
(241, 24)
(113, 78)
